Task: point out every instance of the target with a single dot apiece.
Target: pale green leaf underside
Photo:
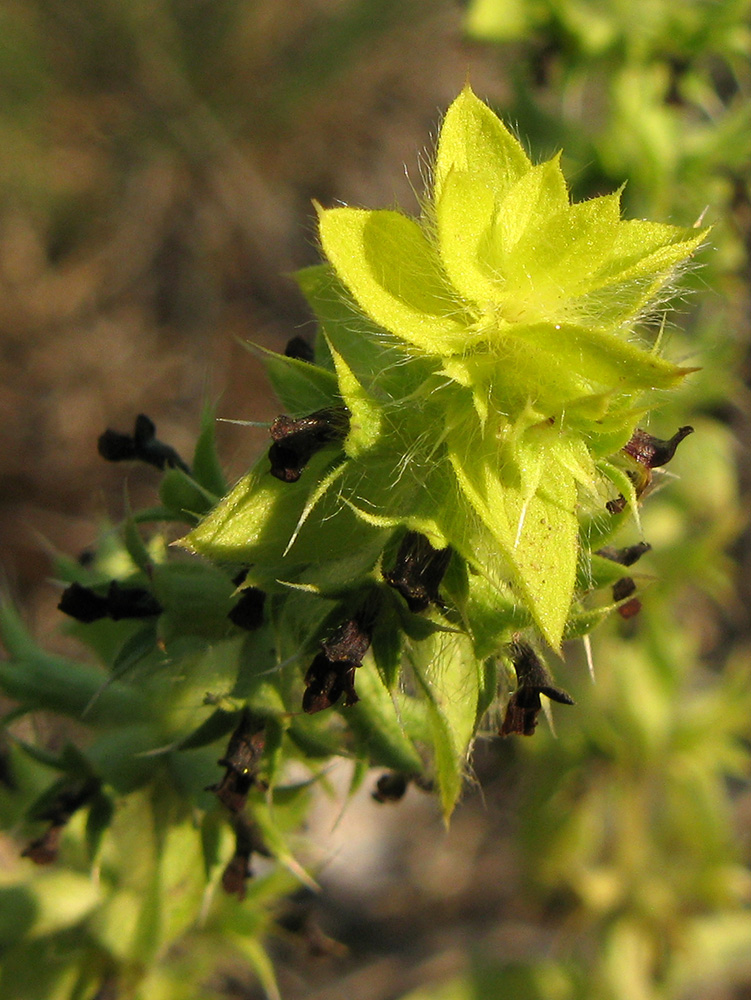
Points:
(602, 358)
(530, 203)
(449, 673)
(474, 140)
(364, 412)
(464, 216)
(267, 522)
(566, 248)
(388, 265)
(537, 535)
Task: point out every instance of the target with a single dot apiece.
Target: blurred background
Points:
(158, 159)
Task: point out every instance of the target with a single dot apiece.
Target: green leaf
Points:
(377, 721)
(536, 535)
(253, 951)
(140, 644)
(597, 571)
(490, 21)
(624, 484)
(180, 874)
(581, 623)
(214, 835)
(643, 258)
(387, 644)
(302, 388)
(644, 248)
(377, 359)
(465, 216)
(449, 675)
(207, 469)
(45, 757)
(488, 689)
(61, 899)
(365, 413)
(135, 546)
(98, 822)
(269, 817)
(492, 616)
(601, 357)
(123, 757)
(560, 254)
(546, 550)
(274, 757)
(184, 497)
(528, 205)
(219, 724)
(196, 598)
(256, 520)
(42, 680)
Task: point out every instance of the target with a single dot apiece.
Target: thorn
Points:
(587, 643)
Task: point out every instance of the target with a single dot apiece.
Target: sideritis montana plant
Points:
(451, 494)
(462, 445)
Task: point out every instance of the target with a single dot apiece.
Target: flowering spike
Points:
(491, 364)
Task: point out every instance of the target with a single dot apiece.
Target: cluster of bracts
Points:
(416, 575)
(330, 678)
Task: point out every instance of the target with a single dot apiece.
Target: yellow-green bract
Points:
(488, 357)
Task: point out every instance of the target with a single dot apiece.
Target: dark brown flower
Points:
(626, 556)
(143, 445)
(248, 611)
(297, 440)
(85, 605)
(241, 761)
(70, 796)
(332, 672)
(652, 452)
(418, 571)
(533, 680)
(248, 841)
(390, 787)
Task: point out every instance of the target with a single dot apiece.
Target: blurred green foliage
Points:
(628, 825)
(145, 841)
